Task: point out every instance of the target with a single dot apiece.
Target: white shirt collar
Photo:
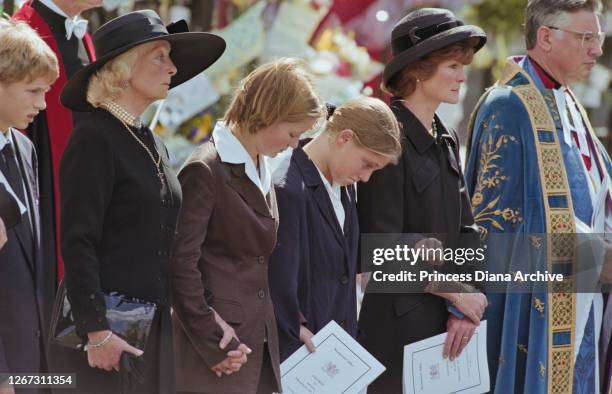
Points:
(5, 139)
(332, 187)
(53, 7)
(335, 195)
(232, 151)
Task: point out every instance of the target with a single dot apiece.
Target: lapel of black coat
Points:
(422, 140)
(450, 144)
(313, 181)
(24, 157)
(250, 193)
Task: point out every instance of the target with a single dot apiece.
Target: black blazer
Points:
(424, 193)
(312, 269)
(117, 231)
(22, 307)
(117, 227)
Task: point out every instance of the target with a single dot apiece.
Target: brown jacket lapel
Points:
(252, 195)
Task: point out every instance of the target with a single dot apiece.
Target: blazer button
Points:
(261, 294)
(344, 279)
(92, 296)
(261, 259)
(37, 333)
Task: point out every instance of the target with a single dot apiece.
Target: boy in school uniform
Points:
(27, 68)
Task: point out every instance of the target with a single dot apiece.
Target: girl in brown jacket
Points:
(227, 231)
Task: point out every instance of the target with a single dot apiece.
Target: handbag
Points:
(131, 319)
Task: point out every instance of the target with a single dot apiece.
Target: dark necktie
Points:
(10, 168)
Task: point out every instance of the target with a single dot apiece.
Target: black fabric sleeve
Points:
(86, 187)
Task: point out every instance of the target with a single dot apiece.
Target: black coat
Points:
(424, 193)
(312, 269)
(21, 277)
(117, 228)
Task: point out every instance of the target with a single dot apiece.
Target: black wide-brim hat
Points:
(191, 53)
(426, 30)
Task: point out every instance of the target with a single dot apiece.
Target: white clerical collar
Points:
(571, 119)
(50, 4)
(232, 151)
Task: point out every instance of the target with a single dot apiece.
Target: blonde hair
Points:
(112, 79)
(280, 91)
(24, 55)
(373, 124)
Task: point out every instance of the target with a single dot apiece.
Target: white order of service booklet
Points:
(339, 365)
(426, 371)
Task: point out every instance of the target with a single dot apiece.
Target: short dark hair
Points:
(547, 12)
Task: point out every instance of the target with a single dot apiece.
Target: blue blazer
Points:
(313, 267)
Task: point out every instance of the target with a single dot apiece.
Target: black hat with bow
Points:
(423, 31)
(192, 52)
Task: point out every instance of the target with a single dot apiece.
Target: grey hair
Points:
(552, 13)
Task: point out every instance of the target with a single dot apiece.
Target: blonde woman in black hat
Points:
(425, 193)
(120, 200)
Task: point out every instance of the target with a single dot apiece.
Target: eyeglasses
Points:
(588, 38)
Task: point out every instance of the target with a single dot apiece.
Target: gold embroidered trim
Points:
(541, 369)
(560, 226)
(490, 176)
(536, 241)
(559, 380)
(538, 304)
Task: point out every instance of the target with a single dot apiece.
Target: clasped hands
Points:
(235, 358)
(106, 355)
(460, 331)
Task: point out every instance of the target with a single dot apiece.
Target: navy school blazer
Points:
(313, 267)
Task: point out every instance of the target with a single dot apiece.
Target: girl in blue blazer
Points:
(313, 268)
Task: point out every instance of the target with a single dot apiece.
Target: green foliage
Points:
(502, 20)
(498, 17)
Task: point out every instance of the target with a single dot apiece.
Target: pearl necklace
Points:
(120, 113)
(125, 117)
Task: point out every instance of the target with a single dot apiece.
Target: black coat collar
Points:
(414, 130)
(53, 19)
